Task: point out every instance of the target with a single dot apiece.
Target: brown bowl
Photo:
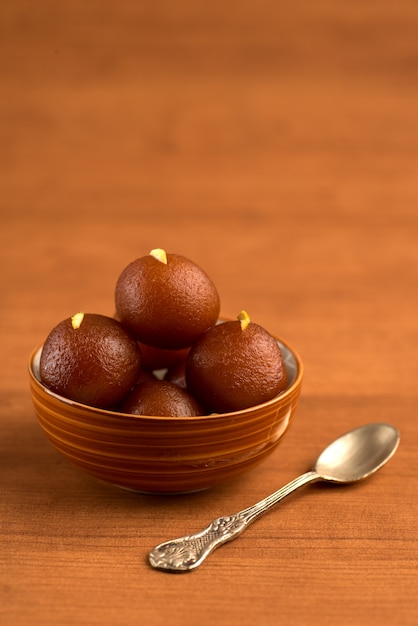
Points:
(165, 455)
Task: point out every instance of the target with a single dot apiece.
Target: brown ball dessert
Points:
(235, 365)
(160, 397)
(166, 300)
(159, 358)
(90, 358)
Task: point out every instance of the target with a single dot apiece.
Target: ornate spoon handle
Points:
(187, 553)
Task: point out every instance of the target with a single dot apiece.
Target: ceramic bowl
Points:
(165, 455)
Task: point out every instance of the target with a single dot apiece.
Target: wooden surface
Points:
(276, 145)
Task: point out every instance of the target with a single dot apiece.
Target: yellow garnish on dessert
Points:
(244, 318)
(77, 319)
(160, 255)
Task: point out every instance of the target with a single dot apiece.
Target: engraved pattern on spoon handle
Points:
(187, 553)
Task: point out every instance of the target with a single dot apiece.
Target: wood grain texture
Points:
(277, 147)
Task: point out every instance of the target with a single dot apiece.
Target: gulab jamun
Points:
(159, 358)
(90, 358)
(235, 365)
(166, 300)
(162, 398)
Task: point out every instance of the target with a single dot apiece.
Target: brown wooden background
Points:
(276, 144)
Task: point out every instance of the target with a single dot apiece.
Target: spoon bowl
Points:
(350, 458)
(358, 453)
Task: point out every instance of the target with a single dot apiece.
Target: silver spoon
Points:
(350, 458)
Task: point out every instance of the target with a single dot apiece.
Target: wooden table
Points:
(275, 145)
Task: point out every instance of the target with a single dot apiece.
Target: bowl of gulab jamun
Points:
(164, 396)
